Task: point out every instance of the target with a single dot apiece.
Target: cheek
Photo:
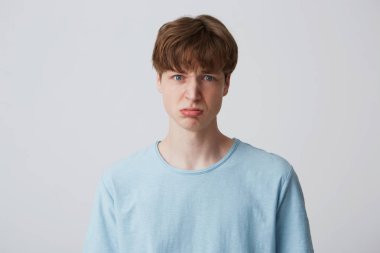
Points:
(169, 102)
(215, 102)
(166, 101)
(218, 105)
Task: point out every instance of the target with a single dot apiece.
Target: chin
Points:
(193, 125)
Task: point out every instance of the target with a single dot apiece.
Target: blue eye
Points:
(208, 78)
(177, 77)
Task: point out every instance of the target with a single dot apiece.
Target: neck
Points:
(194, 150)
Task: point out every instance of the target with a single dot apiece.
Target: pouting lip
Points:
(191, 109)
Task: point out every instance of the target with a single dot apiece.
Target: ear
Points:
(158, 83)
(226, 84)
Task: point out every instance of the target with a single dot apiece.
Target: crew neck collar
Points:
(198, 171)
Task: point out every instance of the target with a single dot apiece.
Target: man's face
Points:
(192, 99)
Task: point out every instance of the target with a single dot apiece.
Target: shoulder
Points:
(263, 162)
(127, 169)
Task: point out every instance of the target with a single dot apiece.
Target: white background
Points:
(77, 93)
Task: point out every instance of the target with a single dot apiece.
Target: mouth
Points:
(191, 112)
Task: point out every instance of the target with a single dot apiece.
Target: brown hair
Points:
(188, 43)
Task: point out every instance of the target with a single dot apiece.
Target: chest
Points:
(226, 212)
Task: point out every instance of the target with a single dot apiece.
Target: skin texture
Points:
(184, 90)
(193, 141)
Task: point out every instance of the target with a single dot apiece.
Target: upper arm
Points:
(292, 225)
(101, 234)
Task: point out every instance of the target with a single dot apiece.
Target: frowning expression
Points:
(192, 99)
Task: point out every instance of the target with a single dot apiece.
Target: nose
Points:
(193, 89)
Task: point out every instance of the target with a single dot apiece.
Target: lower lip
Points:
(191, 113)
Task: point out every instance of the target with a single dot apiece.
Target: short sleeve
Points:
(292, 224)
(101, 234)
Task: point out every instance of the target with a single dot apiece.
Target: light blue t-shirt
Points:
(249, 201)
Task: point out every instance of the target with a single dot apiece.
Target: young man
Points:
(198, 190)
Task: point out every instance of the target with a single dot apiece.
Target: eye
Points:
(178, 77)
(208, 78)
